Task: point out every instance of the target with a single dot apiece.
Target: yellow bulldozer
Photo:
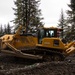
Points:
(47, 45)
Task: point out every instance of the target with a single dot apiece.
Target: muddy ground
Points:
(17, 66)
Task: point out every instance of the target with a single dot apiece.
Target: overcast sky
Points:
(50, 9)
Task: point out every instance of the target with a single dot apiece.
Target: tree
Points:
(1, 31)
(5, 29)
(27, 14)
(71, 19)
(62, 23)
(8, 29)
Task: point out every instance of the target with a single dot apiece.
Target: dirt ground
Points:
(17, 66)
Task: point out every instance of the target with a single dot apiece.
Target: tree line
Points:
(28, 14)
(5, 29)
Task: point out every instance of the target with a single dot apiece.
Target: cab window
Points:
(50, 33)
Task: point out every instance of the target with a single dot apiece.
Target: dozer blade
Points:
(18, 53)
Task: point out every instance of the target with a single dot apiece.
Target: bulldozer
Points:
(47, 45)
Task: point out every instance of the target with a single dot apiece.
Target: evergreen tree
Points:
(1, 31)
(71, 19)
(62, 23)
(5, 29)
(8, 29)
(27, 14)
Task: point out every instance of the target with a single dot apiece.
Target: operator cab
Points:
(49, 33)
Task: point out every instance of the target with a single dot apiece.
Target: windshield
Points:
(49, 33)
